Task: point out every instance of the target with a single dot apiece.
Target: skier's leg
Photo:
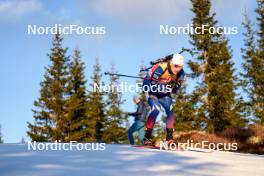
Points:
(131, 130)
(166, 103)
(155, 109)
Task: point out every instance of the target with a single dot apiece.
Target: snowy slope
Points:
(16, 160)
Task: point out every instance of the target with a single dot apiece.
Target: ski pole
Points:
(138, 77)
(122, 75)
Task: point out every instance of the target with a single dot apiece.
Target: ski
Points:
(157, 148)
(174, 149)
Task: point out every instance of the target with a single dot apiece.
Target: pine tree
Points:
(49, 112)
(201, 43)
(258, 65)
(184, 112)
(249, 56)
(41, 129)
(139, 82)
(77, 120)
(253, 64)
(115, 130)
(1, 137)
(216, 90)
(96, 104)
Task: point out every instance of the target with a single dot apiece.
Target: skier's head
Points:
(136, 99)
(176, 63)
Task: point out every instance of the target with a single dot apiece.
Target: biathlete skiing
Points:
(162, 80)
(164, 77)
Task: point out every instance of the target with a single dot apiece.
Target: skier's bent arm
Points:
(180, 82)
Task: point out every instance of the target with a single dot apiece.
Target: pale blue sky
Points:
(132, 35)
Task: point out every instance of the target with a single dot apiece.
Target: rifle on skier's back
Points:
(159, 60)
(167, 58)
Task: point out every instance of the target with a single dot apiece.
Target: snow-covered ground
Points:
(16, 160)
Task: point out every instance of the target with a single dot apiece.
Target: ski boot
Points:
(148, 138)
(169, 136)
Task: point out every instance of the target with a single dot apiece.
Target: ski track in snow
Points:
(122, 160)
